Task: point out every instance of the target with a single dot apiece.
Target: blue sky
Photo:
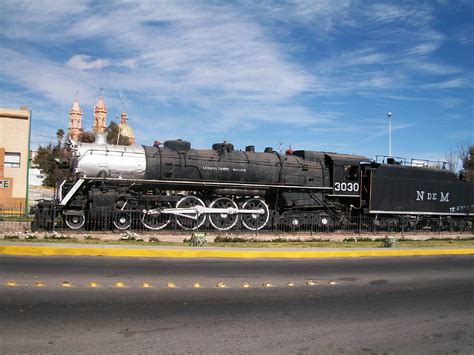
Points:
(316, 75)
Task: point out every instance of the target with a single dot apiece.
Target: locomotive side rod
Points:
(200, 210)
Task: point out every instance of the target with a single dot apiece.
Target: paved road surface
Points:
(377, 305)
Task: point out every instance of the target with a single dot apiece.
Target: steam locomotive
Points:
(174, 183)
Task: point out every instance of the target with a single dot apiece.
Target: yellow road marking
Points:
(10, 283)
(221, 285)
(170, 285)
(213, 253)
(119, 284)
(245, 285)
(196, 285)
(93, 284)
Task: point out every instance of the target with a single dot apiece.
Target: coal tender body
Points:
(158, 186)
(398, 190)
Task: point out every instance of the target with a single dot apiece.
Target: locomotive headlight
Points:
(324, 220)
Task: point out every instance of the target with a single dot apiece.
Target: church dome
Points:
(125, 129)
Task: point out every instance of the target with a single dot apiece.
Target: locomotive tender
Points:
(155, 185)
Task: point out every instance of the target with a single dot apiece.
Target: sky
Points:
(316, 75)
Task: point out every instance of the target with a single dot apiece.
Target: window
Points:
(351, 172)
(12, 160)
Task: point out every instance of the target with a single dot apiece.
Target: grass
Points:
(16, 218)
(265, 244)
(359, 244)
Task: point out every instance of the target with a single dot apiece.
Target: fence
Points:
(15, 220)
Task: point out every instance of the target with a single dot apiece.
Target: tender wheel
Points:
(190, 221)
(325, 222)
(156, 221)
(255, 221)
(75, 221)
(291, 221)
(223, 221)
(122, 220)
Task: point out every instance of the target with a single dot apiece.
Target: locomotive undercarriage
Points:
(190, 211)
(103, 205)
(98, 204)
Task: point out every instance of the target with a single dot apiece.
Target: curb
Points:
(223, 253)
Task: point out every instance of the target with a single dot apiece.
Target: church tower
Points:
(100, 114)
(75, 117)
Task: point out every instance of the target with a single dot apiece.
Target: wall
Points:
(14, 138)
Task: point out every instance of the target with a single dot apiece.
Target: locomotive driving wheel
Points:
(122, 220)
(190, 220)
(75, 221)
(154, 219)
(224, 221)
(255, 221)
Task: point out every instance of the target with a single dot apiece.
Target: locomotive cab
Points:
(345, 174)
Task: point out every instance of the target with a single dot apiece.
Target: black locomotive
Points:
(160, 184)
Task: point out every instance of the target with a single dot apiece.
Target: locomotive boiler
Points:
(174, 183)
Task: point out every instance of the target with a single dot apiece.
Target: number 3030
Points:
(346, 186)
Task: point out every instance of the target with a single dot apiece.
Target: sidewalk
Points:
(48, 249)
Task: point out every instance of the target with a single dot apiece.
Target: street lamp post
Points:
(389, 114)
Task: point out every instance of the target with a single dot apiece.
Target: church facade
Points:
(99, 122)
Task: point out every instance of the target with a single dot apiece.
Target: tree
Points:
(87, 137)
(113, 135)
(466, 155)
(60, 136)
(452, 158)
(45, 159)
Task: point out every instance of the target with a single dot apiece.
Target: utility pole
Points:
(389, 114)
(118, 134)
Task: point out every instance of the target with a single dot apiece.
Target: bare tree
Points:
(466, 155)
(452, 158)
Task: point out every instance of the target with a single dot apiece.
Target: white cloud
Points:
(216, 66)
(447, 84)
(434, 68)
(424, 48)
(85, 62)
(127, 63)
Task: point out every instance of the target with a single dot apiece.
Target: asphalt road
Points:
(367, 305)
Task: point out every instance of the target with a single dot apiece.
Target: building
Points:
(125, 129)
(36, 190)
(100, 116)
(75, 121)
(14, 157)
(99, 123)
